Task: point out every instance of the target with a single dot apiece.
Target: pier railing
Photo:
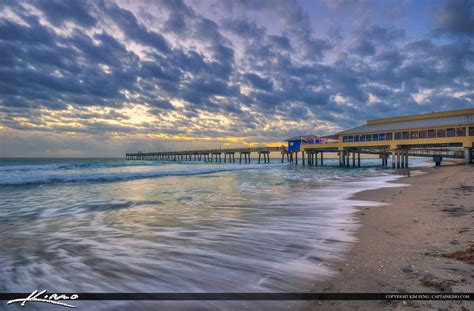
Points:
(208, 151)
(421, 152)
(400, 156)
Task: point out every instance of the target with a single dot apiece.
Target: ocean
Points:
(111, 225)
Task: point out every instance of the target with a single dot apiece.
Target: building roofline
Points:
(421, 123)
(301, 137)
(423, 116)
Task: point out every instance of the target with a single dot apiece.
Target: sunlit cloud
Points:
(185, 74)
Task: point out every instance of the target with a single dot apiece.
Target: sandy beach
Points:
(420, 240)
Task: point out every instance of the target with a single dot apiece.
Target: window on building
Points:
(388, 136)
(431, 134)
(375, 137)
(362, 137)
(382, 136)
(441, 133)
(461, 131)
(414, 135)
(423, 134)
(350, 139)
(368, 137)
(344, 139)
(398, 135)
(356, 138)
(405, 135)
(471, 131)
(450, 132)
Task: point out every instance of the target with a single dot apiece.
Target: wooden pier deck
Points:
(210, 155)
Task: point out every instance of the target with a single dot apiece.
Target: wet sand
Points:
(421, 240)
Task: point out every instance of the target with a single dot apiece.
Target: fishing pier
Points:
(438, 135)
(210, 155)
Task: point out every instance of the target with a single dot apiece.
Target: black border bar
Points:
(254, 296)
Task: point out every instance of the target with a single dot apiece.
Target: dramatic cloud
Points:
(455, 18)
(167, 74)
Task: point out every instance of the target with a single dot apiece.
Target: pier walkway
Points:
(439, 135)
(210, 155)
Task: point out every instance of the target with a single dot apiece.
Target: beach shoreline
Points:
(416, 241)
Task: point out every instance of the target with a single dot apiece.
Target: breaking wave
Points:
(27, 176)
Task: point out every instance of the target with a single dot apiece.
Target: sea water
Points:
(111, 225)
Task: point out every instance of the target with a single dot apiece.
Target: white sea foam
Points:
(248, 228)
(29, 176)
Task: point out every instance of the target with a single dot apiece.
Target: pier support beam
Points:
(246, 155)
(398, 158)
(266, 156)
(402, 157)
(358, 159)
(467, 155)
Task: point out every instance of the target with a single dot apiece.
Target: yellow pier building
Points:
(438, 134)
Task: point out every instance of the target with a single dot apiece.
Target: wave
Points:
(75, 166)
(31, 179)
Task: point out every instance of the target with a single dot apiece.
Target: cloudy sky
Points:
(98, 78)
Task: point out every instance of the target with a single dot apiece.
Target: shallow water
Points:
(109, 225)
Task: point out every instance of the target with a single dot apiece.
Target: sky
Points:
(99, 78)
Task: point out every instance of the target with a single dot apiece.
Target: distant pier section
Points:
(211, 155)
